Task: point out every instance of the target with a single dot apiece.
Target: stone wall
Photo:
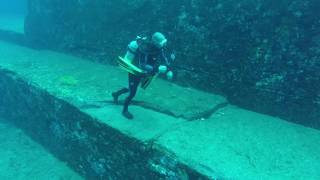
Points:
(93, 149)
(263, 55)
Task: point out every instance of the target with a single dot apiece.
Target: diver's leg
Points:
(133, 86)
(116, 94)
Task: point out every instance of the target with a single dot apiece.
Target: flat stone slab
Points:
(149, 126)
(233, 143)
(84, 82)
(230, 143)
(239, 144)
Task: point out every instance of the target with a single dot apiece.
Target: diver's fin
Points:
(147, 81)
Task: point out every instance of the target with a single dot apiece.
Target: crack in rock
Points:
(208, 113)
(202, 115)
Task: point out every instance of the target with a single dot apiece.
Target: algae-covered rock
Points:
(234, 46)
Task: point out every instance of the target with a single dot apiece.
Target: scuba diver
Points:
(149, 56)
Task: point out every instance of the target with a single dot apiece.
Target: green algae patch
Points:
(68, 80)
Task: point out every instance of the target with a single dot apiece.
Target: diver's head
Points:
(159, 40)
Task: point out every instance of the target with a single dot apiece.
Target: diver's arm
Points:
(163, 64)
(166, 67)
(148, 68)
(131, 51)
(129, 56)
(170, 73)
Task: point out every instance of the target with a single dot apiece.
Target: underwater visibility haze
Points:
(148, 89)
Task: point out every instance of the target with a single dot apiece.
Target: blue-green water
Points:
(244, 102)
(13, 7)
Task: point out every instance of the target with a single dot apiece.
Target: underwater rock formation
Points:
(263, 55)
(93, 149)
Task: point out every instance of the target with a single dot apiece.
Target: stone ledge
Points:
(94, 149)
(85, 83)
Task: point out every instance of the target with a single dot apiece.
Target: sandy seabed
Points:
(21, 158)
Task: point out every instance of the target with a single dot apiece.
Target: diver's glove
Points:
(162, 69)
(149, 70)
(169, 75)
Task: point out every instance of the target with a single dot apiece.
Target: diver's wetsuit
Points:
(148, 58)
(134, 82)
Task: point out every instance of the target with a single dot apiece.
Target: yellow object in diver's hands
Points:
(129, 67)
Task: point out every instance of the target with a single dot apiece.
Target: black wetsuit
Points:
(148, 58)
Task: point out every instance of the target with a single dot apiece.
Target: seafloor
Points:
(21, 158)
